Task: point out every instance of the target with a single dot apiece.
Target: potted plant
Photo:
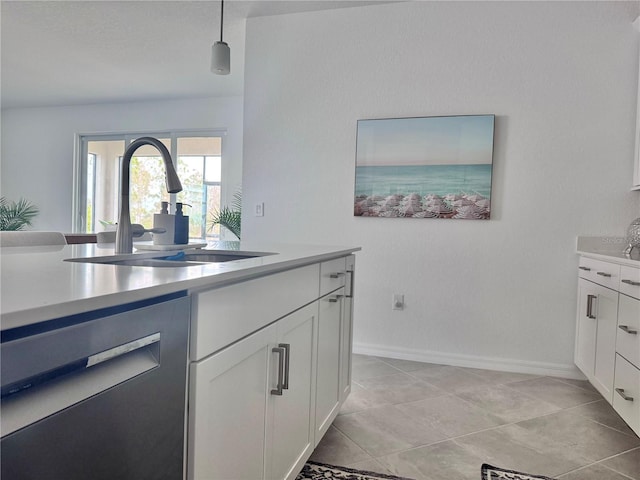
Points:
(229, 217)
(16, 215)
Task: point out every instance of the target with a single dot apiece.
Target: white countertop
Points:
(38, 285)
(609, 249)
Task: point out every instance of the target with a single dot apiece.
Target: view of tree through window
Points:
(199, 169)
(147, 189)
(198, 163)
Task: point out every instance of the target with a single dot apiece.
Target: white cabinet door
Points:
(585, 353)
(240, 427)
(227, 417)
(596, 335)
(346, 348)
(328, 393)
(291, 429)
(606, 311)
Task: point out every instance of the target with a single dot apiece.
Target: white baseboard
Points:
(461, 360)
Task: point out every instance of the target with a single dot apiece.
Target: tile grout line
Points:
(600, 462)
(506, 384)
(617, 455)
(632, 434)
(560, 477)
(454, 440)
(489, 383)
(496, 427)
(563, 380)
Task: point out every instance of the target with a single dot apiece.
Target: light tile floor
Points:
(437, 422)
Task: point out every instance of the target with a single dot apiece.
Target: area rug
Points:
(490, 472)
(321, 471)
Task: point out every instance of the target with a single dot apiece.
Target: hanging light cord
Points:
(221, 17)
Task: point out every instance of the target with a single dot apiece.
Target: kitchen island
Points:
(269, 351)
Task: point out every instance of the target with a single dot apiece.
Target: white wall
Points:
(561, 77)
(37, 145)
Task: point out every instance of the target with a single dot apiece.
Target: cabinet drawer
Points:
(603, 273)
(628, 333)
(333, 275)
(223, 315)
(626, 397)
(630, 281)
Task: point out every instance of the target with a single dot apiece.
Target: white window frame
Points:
(81, 153)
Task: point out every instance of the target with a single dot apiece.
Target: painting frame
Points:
(425, 167)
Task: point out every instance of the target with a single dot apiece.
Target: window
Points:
(91, 189)
(197, 157)
(200, 171)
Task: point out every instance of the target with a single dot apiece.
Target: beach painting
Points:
(425, 167)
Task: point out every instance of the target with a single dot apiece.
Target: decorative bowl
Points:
(633, 236)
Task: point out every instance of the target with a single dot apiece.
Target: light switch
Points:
(398, 301)
(259, 210)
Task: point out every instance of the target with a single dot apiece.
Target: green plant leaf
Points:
(229, 217)
(16, 215)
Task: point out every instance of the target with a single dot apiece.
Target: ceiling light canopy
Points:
(220, 52)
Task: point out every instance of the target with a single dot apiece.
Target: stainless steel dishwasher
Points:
(98, 395)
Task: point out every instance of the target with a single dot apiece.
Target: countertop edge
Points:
(610, 258)
(46, 312)
(608, 249)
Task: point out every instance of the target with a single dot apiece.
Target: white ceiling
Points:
(83, 52)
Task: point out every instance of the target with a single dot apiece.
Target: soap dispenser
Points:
(181, 226)
(167, 222)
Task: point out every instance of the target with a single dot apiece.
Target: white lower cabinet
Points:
(260, 403)
(607, 347)
(252, 403)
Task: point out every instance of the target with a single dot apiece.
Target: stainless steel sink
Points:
(174, 260)
(152, 262)
(215, 257)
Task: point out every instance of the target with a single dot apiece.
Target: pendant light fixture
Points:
(220, 52)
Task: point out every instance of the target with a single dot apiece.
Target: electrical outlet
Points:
(397, 301)
(259, 210)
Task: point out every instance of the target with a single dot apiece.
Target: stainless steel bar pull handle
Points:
(351, 282)
(630, 282)
(586, 269)
(590, 299)
(122, 349)
(336, 298)
(287, 350)
(603, 274)
(280, 352)
(625, 328)
(620, 392)
(337, 275)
